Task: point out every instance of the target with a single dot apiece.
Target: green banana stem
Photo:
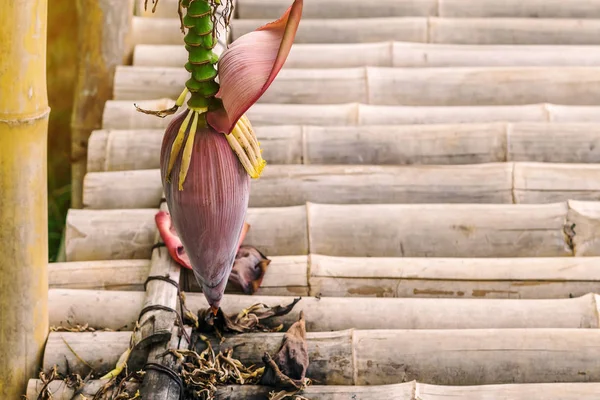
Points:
(200, 40)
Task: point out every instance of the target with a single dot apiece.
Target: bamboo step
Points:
(538, 31)
(508, 31)
(292, 185)
(563, 229)
(72, 307)
(400, 391)
(379, 357)
(400, 54)
(392, 86)
(421, 391)
(444, 144)
(325, 276)
(121, 114)
(402, 8)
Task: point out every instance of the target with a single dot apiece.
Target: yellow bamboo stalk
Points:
(23, 195)
(104, 43)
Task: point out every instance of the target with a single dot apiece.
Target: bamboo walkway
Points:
(432, 193)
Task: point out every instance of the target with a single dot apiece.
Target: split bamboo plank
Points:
(420, 391)
(400, 54)
(515, 31)
(99, 309)
(399, 391)
(338, 313)
(393, 86)
(105, 32)
(122, 114)
(411, 230)
(292, 185)
(82, 352)
(444, 8)
(445, 357)
(439, 230)
(109, 234)
(99, 275)
(547, 183)
(489, 278)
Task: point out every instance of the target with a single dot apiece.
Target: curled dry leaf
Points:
(287, 369)
(249, 269)
(252, 319)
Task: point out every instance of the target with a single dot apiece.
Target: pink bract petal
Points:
(171, 239)
(250, 64)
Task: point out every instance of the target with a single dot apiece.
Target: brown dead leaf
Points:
(249, 269)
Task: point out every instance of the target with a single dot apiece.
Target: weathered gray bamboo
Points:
(110, 234)
(551, 31)
(443, 8)
(82, 352)
(443, 144)
(104, 36)
(99, 309)
(400, 54)
(393, 86)
(400, 391)
(325, 276)
(122, 114)
(158, 327)
(420, 391)
(445, 357)
(410, 230)
(292, 185)
(97, 275)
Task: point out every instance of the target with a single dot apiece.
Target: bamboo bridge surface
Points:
(432, 194)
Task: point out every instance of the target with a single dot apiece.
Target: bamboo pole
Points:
(414, 390)
(120, 114)
(23, 193)
(293, 185)
(445, 8)
(401, 54)
(393, 86)
(104, 29)
(338, 313)
(325, 276)
(507, 31)
(99, 275)
(477, 278)
(99, 309)
(60, 391)
(444, 357)
(399, 391)
(84, 352)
